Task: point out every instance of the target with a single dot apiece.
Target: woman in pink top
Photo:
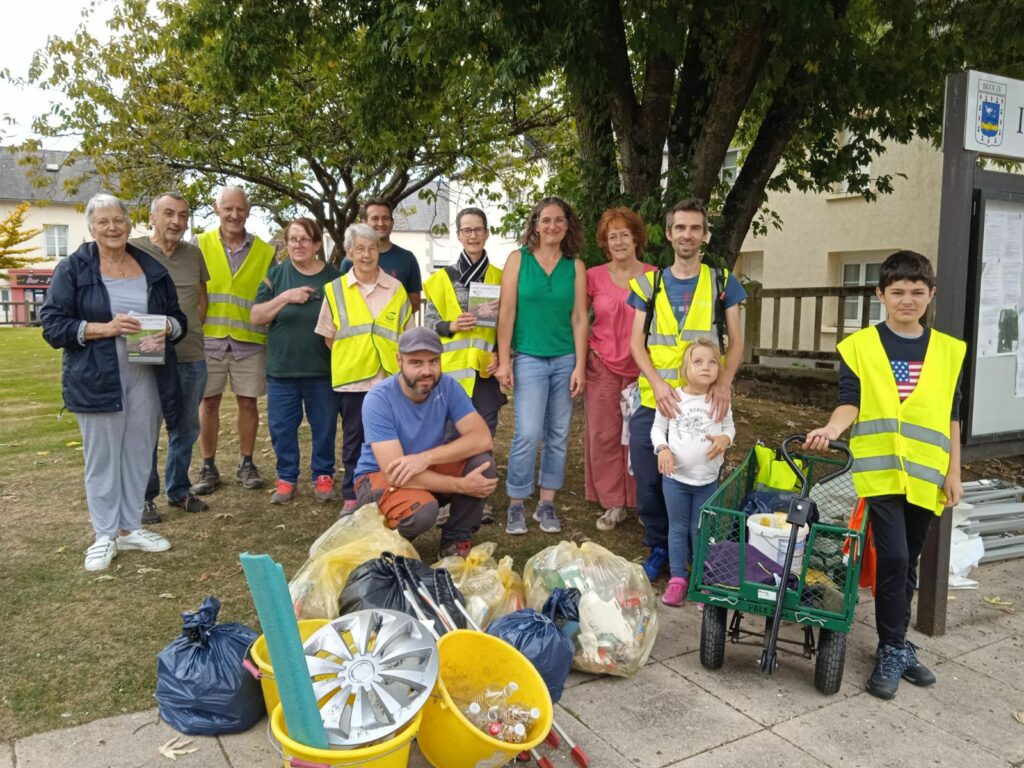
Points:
(622, 235)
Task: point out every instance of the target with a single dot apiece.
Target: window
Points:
(861, 274)
(56, 241)
(730, 168)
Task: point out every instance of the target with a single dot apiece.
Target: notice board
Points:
(994, 370)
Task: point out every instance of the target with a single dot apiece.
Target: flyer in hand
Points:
(147, 345)
(483, 304)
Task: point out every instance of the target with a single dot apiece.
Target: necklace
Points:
(112, 267)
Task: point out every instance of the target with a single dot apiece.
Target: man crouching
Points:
(404, 420)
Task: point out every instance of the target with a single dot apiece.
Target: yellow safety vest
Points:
(363, 344)
(466, 353)
(667, 342)
(902, 448)
(231, 296)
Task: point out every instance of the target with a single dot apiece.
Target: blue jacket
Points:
(91, 382)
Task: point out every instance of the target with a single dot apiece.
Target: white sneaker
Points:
(611, 517)
(143, 540)
(99, 556)
(443, 514)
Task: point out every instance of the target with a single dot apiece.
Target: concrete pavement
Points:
(676, 713)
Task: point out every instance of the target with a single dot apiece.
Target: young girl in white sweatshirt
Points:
(690, 448)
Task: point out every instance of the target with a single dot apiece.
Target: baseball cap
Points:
(419, 340)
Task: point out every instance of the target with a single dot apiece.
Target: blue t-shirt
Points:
(389, 415)
(680, 293)
(400, 264)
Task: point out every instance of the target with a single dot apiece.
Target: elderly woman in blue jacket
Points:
(91, 307)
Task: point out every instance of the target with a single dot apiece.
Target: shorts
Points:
(248, 375)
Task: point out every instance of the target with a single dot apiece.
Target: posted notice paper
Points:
(147, 345)
(483, 304)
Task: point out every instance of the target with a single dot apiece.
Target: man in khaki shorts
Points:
(237, 261)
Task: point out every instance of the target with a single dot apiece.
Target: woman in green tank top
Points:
(543, 320)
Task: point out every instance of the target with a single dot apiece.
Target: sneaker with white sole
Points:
(611, 517)
(443, 514)
(100, 554)
(142, 540)
(545, 515)
(515, 524)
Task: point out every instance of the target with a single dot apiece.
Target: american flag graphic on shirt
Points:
(907, 373)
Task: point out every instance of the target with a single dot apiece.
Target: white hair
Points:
(364, 231)
(231, 188)
(103, 200)
(174, 195)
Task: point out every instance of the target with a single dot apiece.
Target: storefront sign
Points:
(29, 280)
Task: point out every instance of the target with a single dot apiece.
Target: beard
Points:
(421, 386)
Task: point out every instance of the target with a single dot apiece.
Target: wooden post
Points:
(752, 325)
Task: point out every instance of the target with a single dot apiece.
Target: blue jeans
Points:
(180, 440)
(650, 499)
(286, 399)
(543, 411)
(683, 502)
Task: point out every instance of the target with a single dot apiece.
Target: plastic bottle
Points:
(513, 734)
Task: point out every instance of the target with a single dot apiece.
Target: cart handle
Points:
(834, 445)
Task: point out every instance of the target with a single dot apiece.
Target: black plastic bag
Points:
(378, 583)
(201, 687)
(538, 639)
(563, 608)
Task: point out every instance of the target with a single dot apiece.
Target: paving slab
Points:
(128, 741)
(972, 706)
(254, 747)
(1002, 661)
(599, 751)
(6, 756)
(864, 732)
(657, 717)
(763, 749)
(678, 631)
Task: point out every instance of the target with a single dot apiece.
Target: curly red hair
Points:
(628, 218)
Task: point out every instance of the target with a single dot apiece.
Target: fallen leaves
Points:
(1006, 606)
(104, 577)
(223, 516)
(1019, 717)
(167, 595)
(176, 746)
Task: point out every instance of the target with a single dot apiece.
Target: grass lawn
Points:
(79, 646)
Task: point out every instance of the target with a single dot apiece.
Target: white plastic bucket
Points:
(774, 542)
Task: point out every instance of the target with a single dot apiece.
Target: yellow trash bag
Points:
(339, 550)
(618, 614)
(484, 583)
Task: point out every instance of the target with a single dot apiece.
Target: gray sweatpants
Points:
(118, 450)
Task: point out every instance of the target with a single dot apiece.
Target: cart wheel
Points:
(712, 636)
(828, 669)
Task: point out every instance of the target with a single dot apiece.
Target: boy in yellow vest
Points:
(899, 386)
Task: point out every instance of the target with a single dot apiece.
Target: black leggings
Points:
(899, 529)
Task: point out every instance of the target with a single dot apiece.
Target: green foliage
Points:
(12, 235)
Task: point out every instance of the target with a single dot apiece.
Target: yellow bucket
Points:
(393, 753)
(261, 657)
(470, 663)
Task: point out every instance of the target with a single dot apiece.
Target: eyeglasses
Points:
(118, 222)
(468, 231)
(299, 241)
(558, 221)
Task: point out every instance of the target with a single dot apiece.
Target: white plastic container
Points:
(774, 542)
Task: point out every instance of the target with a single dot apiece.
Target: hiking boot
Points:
(915, 672)
(149, 514)
(209, 479)
(283, 492)
(487, 516)
(515, 524)
(323, 488)
(545, 515)
(142, 540)
(248, 476)
(611, 517)
(443, 514)
(190, 503)
(890, 662)
(100, 554)
(655, 562)
(454, 549)
(675, 592)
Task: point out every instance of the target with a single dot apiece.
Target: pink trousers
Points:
(608, 481)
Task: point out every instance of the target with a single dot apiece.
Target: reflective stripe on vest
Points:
(903, 448)
(230, 296)
(364, 347)
(667, 341)
(466, 353)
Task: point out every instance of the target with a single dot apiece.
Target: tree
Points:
(660, 90)
(13, 235)
(315, 133)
